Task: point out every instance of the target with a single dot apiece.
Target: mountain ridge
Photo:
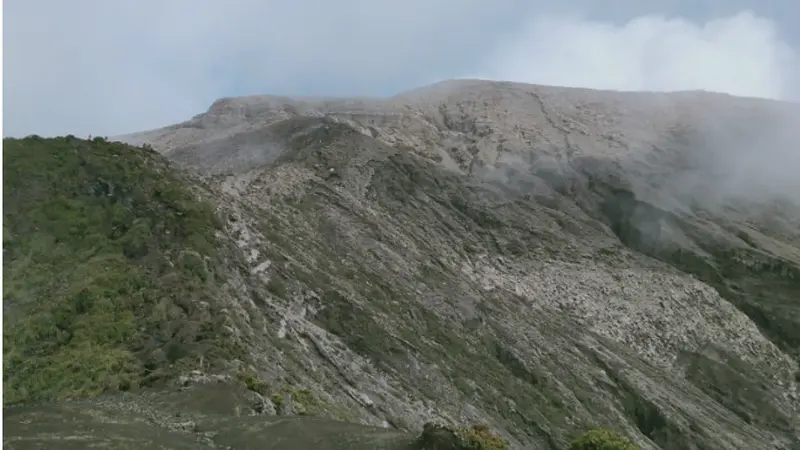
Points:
(539, 259)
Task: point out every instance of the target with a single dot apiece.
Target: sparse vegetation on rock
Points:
(602, 439)
(483, 253)
(477, 437)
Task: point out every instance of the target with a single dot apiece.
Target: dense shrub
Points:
(106, 256)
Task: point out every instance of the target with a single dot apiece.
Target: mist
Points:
(115, 68)
(128, 70)
(731, 156)
(724, 151)
(742, 155)
(742, 54)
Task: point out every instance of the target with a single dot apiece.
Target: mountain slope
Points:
(117, 289)
(107, 259)
(538, 259)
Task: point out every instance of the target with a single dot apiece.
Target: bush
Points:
(600, 439)
(477, 437)
(92, 295)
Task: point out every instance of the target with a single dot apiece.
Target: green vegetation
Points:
(112, 282)
(304, 401)
(477, 437)
(109, 270)
(600, 439)
(253, 383)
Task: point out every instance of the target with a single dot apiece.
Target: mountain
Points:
(540, 260)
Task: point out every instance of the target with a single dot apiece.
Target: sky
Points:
(112, 67)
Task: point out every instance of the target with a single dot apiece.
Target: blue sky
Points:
(111, 67)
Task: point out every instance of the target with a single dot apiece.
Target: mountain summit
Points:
(541, 260)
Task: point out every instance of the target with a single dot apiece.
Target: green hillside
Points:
(107, 257)
(113, 277)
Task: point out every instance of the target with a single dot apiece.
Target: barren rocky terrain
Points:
(542, 260)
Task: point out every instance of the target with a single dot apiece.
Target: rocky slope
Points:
(539, 259)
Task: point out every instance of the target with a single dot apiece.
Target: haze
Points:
(106, 68)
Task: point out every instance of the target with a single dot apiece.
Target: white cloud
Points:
(740, 55)
(756, 160)
(111, 67)
(98, 66)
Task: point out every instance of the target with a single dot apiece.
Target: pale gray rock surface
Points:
(536, 258)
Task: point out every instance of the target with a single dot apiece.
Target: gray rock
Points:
(538, 259)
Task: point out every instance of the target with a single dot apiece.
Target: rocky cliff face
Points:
(538, 259)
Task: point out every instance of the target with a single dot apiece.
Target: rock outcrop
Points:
(540, 260)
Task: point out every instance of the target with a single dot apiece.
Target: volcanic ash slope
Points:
(541, 259)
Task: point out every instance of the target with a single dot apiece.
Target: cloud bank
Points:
(740, 55)
(99, 67)
(755, 162)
